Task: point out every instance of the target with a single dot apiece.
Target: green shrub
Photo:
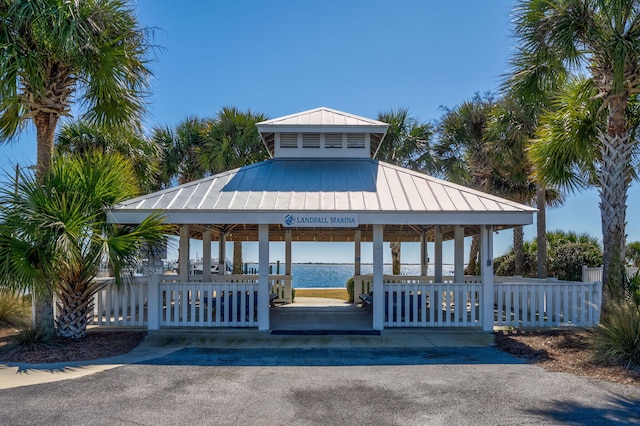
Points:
(293, 294)
(34, 338)
(505, 265)
(633, 288)
(616, 341)
(568, 259)
(350, 290)
(15, 310)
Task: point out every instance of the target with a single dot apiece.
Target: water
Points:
(309, 275)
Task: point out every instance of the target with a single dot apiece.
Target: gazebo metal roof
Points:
(374, 191)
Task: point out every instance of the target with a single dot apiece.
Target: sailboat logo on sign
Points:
(321, 220)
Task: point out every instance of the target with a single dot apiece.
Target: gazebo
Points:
(323, 184)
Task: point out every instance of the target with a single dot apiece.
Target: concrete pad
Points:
(314, 313)
(158, 344)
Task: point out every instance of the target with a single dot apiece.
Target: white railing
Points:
(364, 283)
(419, 304)
(172, 303)
(229, 304)
(549, 303)
(280, 284)
(409, 301)
(591, 274)
(415, 301)
(126, 306)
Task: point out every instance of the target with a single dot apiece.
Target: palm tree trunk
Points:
(395, 257)
(613, 177)
(45, 132)
(472, 267)
(75, 307)
(518, 249)
(541, 231)
(237, 257)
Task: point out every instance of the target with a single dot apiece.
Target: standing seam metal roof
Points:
(349, 185)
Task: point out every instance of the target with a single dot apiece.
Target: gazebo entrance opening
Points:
(403, 300)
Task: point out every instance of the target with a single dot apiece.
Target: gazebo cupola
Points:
(322, 133)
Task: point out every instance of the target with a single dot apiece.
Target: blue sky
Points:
(359, 56)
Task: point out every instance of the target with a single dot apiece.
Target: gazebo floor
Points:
(312, 313)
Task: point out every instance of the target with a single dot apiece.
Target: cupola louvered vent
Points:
(333, 140)
(311, 140)
(288, 140)
(355, 140)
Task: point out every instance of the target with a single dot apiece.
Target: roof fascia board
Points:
(276, 217)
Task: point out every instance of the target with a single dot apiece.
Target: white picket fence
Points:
(592, 274)
(432, 305)
(410, 301)
(415, 301)
(226, 301)
(547, 304)
(208, 304)
(126, 306)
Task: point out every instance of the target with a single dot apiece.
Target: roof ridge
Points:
(276, 120)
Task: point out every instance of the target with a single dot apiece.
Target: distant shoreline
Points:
(339, 263)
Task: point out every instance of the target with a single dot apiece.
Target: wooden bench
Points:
(272, 298)
(367, 300)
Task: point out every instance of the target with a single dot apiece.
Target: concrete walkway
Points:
(306, 314)
(160, 344)
(317, 313)
(324, 385)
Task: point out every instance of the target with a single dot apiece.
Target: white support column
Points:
(378, 287)
(357, 242)
(287, 265)
(153, 303)
(486, 268)
(222, 254)
(458, 255)
(357, 261)
(437, 273)
(263, 277)
(424, 254)
(183, 253)
(206, 255)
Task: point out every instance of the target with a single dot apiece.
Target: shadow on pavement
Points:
(618, 411)
(333, 357)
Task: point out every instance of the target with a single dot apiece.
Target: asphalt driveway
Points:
(339, 386)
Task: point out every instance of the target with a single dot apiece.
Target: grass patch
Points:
(15, 310)
(329, 293)
(616, 340)
(35, 338)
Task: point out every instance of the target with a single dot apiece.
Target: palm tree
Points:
(532, 83)
(180, 147)
(510, 129)
(406, 144)
(83, 138)
(464, 154)
(568, 140)
(603, 38)
(233, 141)
(54, 52)
(54, 234)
